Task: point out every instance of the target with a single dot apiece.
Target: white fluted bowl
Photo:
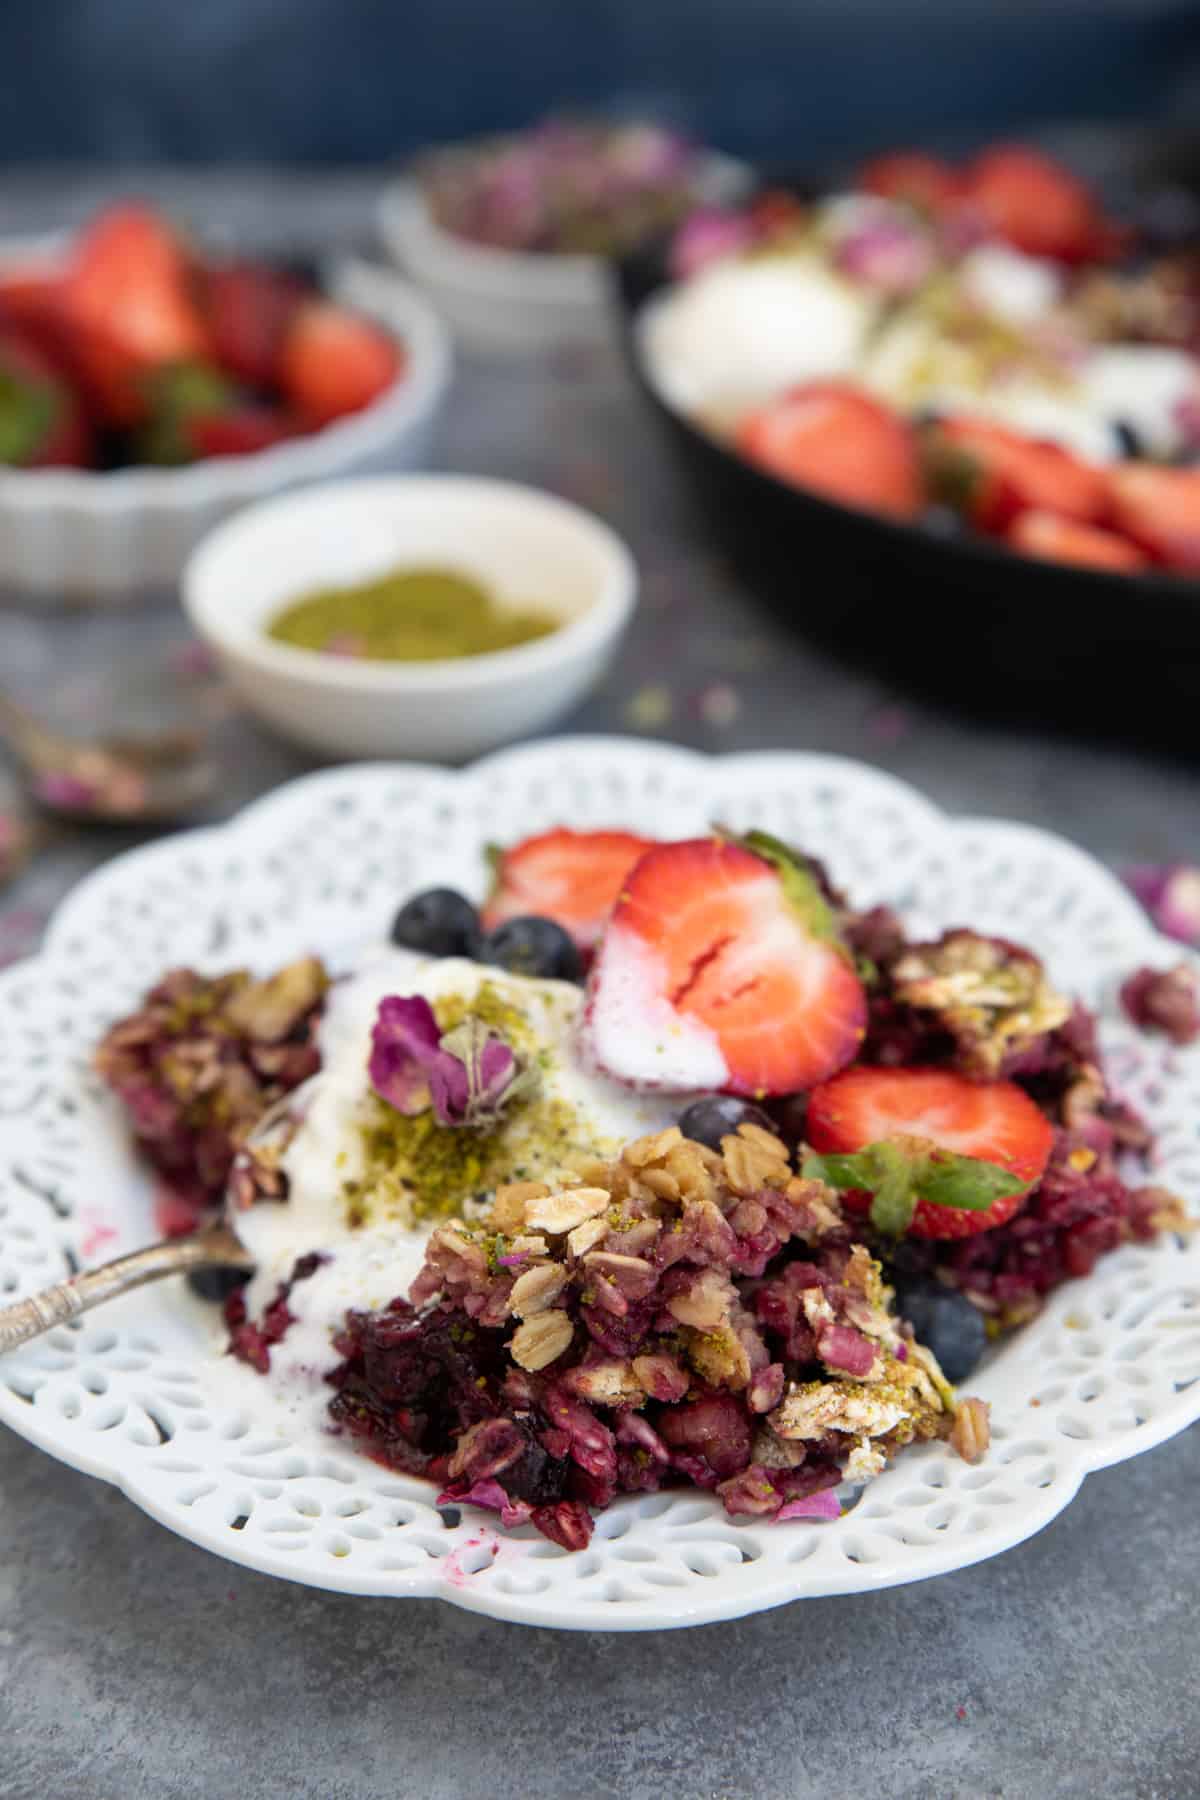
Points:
(528, 548)
(510, 302)
(82, 537)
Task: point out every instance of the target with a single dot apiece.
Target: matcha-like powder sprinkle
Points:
(407, 615)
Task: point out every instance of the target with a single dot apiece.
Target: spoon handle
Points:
(57, 1305)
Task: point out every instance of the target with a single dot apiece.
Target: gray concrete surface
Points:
(134, 1667)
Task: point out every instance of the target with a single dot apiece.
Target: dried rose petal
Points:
(404, 1044)
(707, 236)
(824, 1505)
(57, 788)
(1171, 895)
(887, 253)
(475, 1075)
(491, 1496)
(1166, 1000)
(467, 1075)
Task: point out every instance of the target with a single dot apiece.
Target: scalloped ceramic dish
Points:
(140, 1395)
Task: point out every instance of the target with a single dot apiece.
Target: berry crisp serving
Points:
(666, 1166)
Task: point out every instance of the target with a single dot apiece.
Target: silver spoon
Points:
(112, 779)
(215, 1246)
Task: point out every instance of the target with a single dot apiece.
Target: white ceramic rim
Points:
(606, 615)
(223, 480)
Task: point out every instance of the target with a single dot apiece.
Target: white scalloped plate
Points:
(139, 1394)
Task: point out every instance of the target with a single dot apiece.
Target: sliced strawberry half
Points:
(993, 474)
(721, 969)
(1160, 510)
(332, 362)
(129, 308)
(836, 439)
(1038, 205)
(947, 1130)
(573, 877)
(1056, 539)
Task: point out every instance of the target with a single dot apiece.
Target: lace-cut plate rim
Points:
(137, 1394)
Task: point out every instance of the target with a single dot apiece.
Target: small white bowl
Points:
(509, 301)
(99, 539)
(527, 548)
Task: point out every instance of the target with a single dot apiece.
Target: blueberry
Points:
(439, 922)
(707, 1121)
(533, 946)
(216, 1284)
(946, 1322)
(789, 1116)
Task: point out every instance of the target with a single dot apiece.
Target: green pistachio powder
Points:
(415, 1168)
(407, 615)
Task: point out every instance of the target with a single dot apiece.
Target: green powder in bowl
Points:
(407, 615)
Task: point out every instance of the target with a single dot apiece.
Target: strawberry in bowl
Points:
(151, 339)
(164, 386)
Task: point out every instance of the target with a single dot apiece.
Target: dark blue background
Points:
(353, 80)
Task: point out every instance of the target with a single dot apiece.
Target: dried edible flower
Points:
(1171, 895)
(467, 1075)
(1166, 1000)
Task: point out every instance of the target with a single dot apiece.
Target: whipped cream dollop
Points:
(741, 333)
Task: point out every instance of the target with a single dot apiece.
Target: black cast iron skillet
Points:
(956, 618)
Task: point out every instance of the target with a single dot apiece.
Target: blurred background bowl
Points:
(526, 547)
(508, 301)
(86, 537)
(953, 615)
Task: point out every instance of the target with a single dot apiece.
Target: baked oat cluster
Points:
(623, 1334)
(198, 1065)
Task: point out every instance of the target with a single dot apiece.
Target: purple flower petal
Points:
(708, 236)
(1171, 895)
(491, 1496)
(467, 1075)
(888, 254)
(476, 1076)
(1166, 1000)
(56, 788)
(450, 1087)
(824, 1505)
(404, 1044)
